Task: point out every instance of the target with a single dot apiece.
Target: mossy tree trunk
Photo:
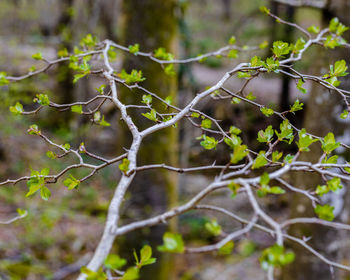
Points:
(152, 24)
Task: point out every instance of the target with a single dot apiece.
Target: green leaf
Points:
(45, 193)
(329, 144)
(334, 184)
(267, 111)
(145, 257)
(124, 166)
(266, 136)
(288, 158)
(264, 10)
(339, 69)
(321, 190)
(37, 56)
(161, 53)
(264, 179)
(264, 45)
(330, 160)
(275, 256)
(227, 248)
(241, 74)
(134, 77)
(169, 70)
(21, 212)
(34, 130)
(232, 40)
(101, 89)
(42, 99)
(234, 188)
(66, 146)
(114, 262)
(277, 190)
(250, 96)
(206, 123)
(208, 142)
(71, 182)
(235, 100)
(344, 115)
(62, 53)
(239, 153)
(276, 156)
(152, 115)
(286, 132)
(132, 273)
(172, 243)
(299, 45)
(235, 130)
(305, 141)
(213, 227)
(256, 61)
(233, 141)
(3, 79)
(88, 41)
(17, 109)
(51, 155)
(232, 54)
(333, 24)
(313, 29)
(260, 160)
(103, 122)
(300, 86)
(195, 115)
(271, 64)
(297, 106)
(77, 109)
(325, 212)
(134, 49)
(280, 48)
(146, 99)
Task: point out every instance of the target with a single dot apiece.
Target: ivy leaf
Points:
(260, 160)
(213, 227)
(267, 111)
(37, 56)
(77, 109)
(297, 106)
(124, 166)
(172, 243)
(114, 262)
(71, 182)
(325, 212)
(17, 109)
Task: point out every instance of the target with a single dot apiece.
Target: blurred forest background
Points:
(58, 236)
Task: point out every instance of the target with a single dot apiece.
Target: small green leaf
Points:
(114, 262)
(21, 212)
(3, 79)
(77, 109)
(232, 40)
(45, 193)
(37, 56)
(264, 45)
(276, 156)
(161, 53)
(260, 160)
(235, 100)
(66, 146)
(152, 115)
(146, 99)
(325, 212)
(17, 109)
(206, 123)
(101, 89)
(241, 74)
(235, 130)
(344, 115)
(213, 227)
(172, 243)
(51, 155)
(227, 248)
(169, 70)
(145, 257)
(34, 130)
(134, 49)
(267, 111)
(275, 256)
(297, 106)
(305, 141)
(300, 86)
(134, 77)
(313, 29)
(208, 142)
(42, 99)
(239, 153)
(286, 132)
(266, 136)
(250, 96)
(103, 122)
(62, 53)
(71, 182)
(232, 54)
(329, 144)
(280, 48)
(132, 273)
(124, 166)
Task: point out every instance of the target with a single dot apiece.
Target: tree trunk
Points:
(152, 24)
